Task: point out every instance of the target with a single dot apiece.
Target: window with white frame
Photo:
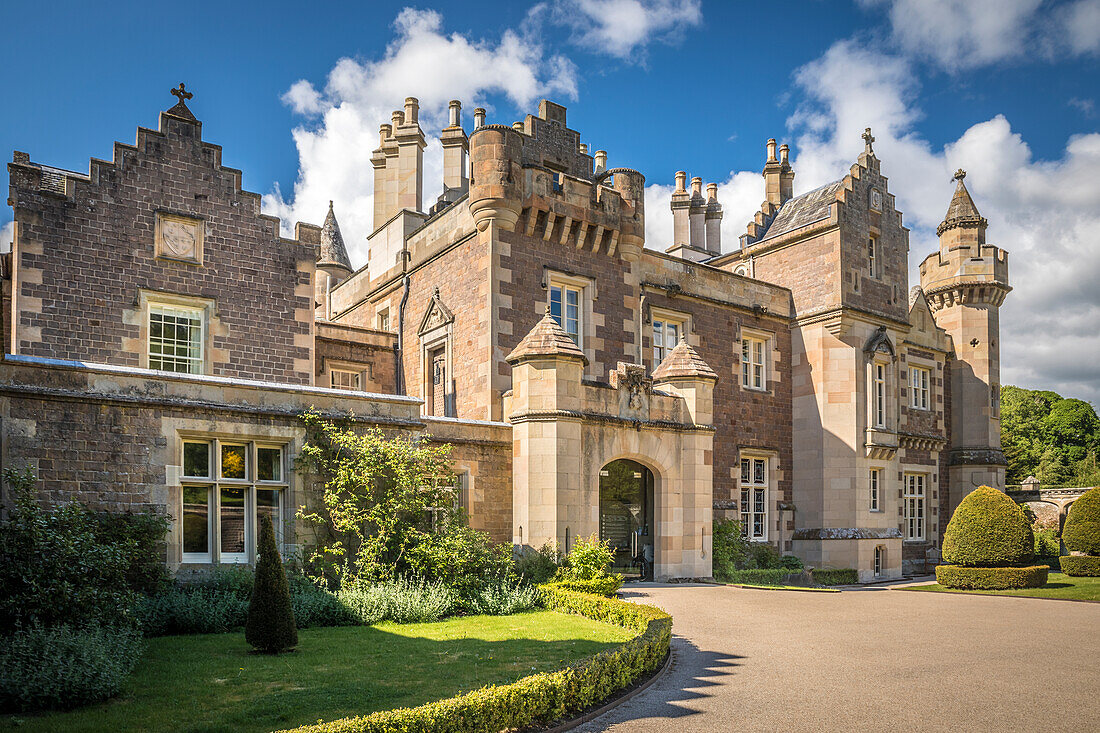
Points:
(880, 560)
(754, 372)
(919, 393)
(872, 256)
(176, 338)
(566, 308)
(875, 482)
(345, 379)
(384, 320)
(666, 334)
(228, 487)
(878, 397)
(913, 499)
(754, 498)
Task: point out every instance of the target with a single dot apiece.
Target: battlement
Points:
(970, 279)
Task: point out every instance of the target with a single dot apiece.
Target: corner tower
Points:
(965, 284)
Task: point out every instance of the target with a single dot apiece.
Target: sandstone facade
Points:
(589, 383)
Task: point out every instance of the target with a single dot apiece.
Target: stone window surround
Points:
(890, 406)
(587, 286)
(879, 560)
(440, 336)
(769, 358)
(929, 366)
(875, 492)
(682, 319)
(772, 491)
(177, 481)
(923, 497)
(364, 371)
(140, 313)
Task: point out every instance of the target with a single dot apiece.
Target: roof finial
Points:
(959, 175)
(330, 204)
(868, 138)
(180, 110)
(182, 93)
(548, 313)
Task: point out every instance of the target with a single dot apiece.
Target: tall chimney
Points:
(479, 117)
(456, 147)
(696, 215)
(713, 220)
(410, 158)
(382, 174)
(681, 203)
(772, 167)
(600, 161)
(786, 174)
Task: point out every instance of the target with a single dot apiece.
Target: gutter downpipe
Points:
(399, 349)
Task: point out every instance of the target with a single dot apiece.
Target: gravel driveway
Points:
(868, 659)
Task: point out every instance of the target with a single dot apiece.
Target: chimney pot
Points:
(517, 126)
(384, 132)
(771, 150)
(398, 119)
(412, 107)
(583, 148)
(456, 113)
(601, 161)
(697, 185)
(681, 180)
(784, 151)
(479, 117)
(712, 192)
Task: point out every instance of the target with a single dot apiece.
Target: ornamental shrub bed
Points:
(64, 667)
(541, 698)
(605, 585)
(955, 576)
(1081, 566)
(835, 576)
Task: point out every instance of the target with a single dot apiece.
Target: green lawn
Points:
(208, 683)
(1058, 586)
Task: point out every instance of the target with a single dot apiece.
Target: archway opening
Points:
(628, 520)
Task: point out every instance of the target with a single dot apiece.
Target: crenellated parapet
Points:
(957, 278)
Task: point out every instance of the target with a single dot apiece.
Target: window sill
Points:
(761, 390)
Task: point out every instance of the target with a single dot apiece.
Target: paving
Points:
(867, 659)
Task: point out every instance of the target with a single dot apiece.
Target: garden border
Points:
(607, 707)
(538, 699)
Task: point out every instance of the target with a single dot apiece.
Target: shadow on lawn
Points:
(211, 683)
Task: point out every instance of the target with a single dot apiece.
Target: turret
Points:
(333, 264)
(965, 284)
(496, 153)
(631, 186)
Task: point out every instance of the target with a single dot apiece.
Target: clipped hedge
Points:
(988, 529)
(954, 576)
(604, 585)
(835, 576)
(1080, 566)
(538, 699)
(1082, 530)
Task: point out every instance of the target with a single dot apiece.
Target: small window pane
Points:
(269, 464)
(759, 468)
(234, 461)
(196, 460)
(746, 472)
(196, 520)
(232, 520)
(268, 503)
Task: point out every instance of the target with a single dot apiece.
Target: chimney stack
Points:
(479, 117)
(696, 215)
(410, 158)
(681, 203)
(456, 148)
(382, 175)
(713, 220)
(601, 161)
(778, 176)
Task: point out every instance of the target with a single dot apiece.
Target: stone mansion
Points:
(162, 339)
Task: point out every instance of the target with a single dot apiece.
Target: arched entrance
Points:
(627, 517)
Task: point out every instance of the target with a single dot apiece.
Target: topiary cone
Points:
(1082, 530)
(270, 626)
(988, 529)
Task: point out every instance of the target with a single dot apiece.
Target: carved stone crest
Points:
(179, 237)
(634, 385)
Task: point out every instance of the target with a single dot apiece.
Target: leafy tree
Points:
(270, 626)
(1049, 437)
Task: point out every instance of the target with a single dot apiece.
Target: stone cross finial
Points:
(959, 175)
(868, 138)
(182, 93)
(548, 314)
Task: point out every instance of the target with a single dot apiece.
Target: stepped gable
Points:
(333, 251)
(803, 210)
(683, 361)
(547, 338)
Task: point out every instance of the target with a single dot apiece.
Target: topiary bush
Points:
(1080, 566)
(954, 576)
(1082, 530)
(270, 626)
(835, 576)
(988, 529)
(604, 585)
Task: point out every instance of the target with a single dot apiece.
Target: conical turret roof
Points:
(683, 361)
(962, 209)
(333, 251)
(547, 338)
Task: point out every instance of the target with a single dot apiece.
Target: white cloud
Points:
(623, 28)
(424, 62)
(740, 195)
(7, 233)
(1044, 212)
(967, 34)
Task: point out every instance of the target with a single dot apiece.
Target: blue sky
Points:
(1009, 89)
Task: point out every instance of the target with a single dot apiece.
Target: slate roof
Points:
(683, 361)
(333, 251)
(547, 338)
(962, 205)
(803, 210)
